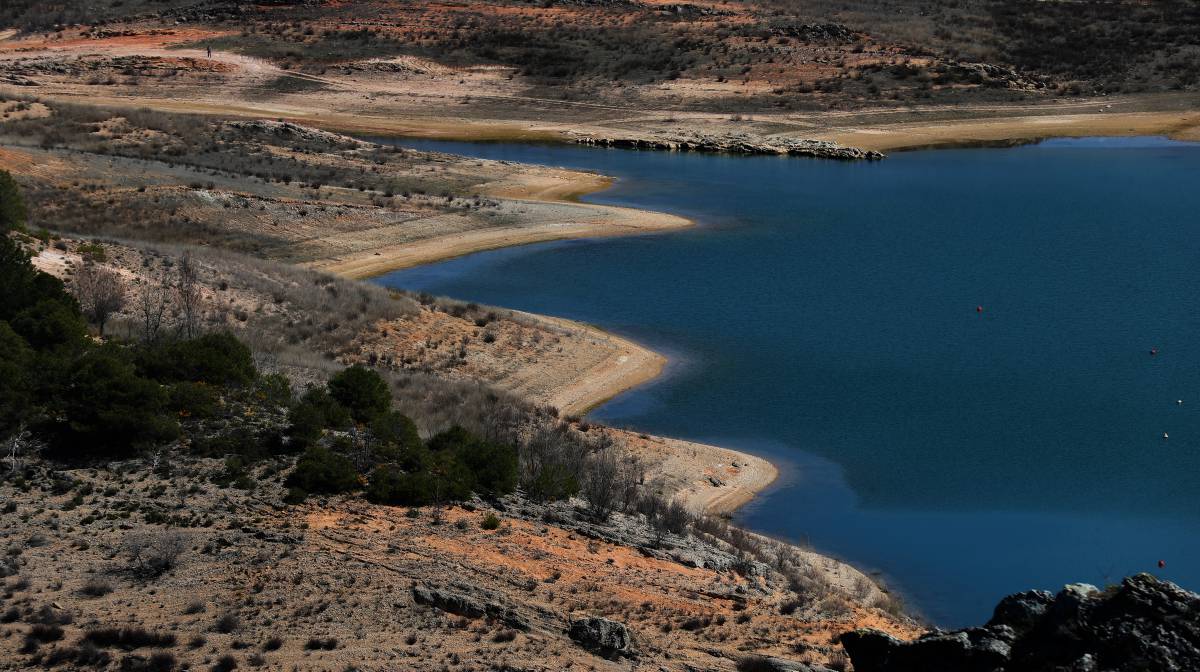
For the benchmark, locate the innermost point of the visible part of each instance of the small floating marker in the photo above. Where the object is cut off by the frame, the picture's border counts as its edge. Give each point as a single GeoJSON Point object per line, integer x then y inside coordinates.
{"type": "Point", "coordinates": [1162, 564]}
{"type": "Point", "coordinates": [1165, 437]}
{"type": "Point", "coordinates": [1179, 402]}
{"type": "Point", "coordinates": [1153, 351]}
{"type": "Point", "coordinates": [979, 309]}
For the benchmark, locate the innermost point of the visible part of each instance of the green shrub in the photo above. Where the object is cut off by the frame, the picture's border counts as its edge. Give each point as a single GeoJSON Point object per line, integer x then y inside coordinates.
{"type": "Point", "coordinates": [51, 324]}
{"type": "Point", "coordinates": [442, 478]}
{"type": "Point", "coordinates": [274, 389]}
{"type": "Point", "coordinates": [315, 412]}
{"type": "Point", "coordinates": [194, 400]}
{"type": "Point", "coordinates": [396, 438]}
{"type": "Point", "coordinates": [321, 470]}
{"type": "Point", "coordinates": [16, 387]}
{"type": "Point", "coordinates": [216, 359]}
{"type": "Point", "coordinates": [492, 467]}
{"type": "Point", "coordinates": [92, 252]}
{"type": "Point", "coordinates": [242, 441]}
{"type": "Point", "coordinates": [22, 285]}
{"type": "Point", "coordinates": [390, 485]}
{"type": "Point", "coordinates": [12, 206]}
{"type": "Point", "coordinates": [106, 410]}
{"type": "Point", "coordinates": [361, 391]}
{"type": "Point", "coordinates": [234, 474]}
{"type": "Point", "coordinates": [552, 482]}
{"type": "Point", "coordinates": [490, 522]}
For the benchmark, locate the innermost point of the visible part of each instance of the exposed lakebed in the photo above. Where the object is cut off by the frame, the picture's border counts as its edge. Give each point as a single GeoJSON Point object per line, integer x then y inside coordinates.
{"type": "Point", "coordinates": [947, 352]}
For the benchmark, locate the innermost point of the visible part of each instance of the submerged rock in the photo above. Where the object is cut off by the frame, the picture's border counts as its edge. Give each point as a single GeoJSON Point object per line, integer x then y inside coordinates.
{"type": "Point", "coordinates": [737, 143]}
{"type": "Point", "coordinates": [1143, 625]}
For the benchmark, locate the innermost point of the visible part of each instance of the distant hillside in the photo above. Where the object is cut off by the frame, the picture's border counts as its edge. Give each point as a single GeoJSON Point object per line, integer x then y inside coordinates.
{"type": "Point", "coordinates": [769, 54]}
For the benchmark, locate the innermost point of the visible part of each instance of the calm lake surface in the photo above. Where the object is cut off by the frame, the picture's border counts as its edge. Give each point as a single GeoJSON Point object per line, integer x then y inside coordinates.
{"type": "Point", "coordinates": [824, 315]}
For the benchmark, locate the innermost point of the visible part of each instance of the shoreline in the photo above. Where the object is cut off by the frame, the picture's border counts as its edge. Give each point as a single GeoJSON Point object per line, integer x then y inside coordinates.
{"type": "Point", "coordinates": [636, 365]}
{"type": "Point", "coordinates": [612, 221]}
{"type": "Point", "coordinates": [685, 468]}
{"type": "Point", "coordinates": [873, 129]}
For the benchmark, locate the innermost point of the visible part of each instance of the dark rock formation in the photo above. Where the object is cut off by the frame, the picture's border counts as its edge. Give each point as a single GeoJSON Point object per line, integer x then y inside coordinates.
{"type": "Point", "coordinates": [469, 607]}
{"type": "Point", "coordinates": [1143, 625]}
{"type": "Point", "coordinates": [603, 637]}
{"type": "Point", "coordinates": [814, 32]}
{"type": "Point", "coordinates": [447, 601]}
{"type": "Point", "coordinates": [770, 664]}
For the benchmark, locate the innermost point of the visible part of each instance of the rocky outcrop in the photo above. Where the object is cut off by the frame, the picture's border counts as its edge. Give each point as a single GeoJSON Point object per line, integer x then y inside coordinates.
{"type": "Point", "coordinates": [1143, 625]}
{"type": "Point", "coordinates": [469, 607]}
{"type": "Point", "coordinates": [737, 143]}
{"type": "Point", "coordinates": [770, 664]}
{"type": "Point", "coordinates": [814, 32]}
{"type": "Point", "coordinates": [269, 130]}
{"type": "Point", "coordinates": [602, 637]}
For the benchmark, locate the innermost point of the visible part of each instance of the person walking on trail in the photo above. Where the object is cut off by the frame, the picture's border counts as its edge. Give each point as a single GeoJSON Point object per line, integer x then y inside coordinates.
{"type": "Point", "coordinates": [209, 49]}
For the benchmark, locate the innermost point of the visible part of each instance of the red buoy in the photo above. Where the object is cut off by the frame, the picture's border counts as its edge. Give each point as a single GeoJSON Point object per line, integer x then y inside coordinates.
{"type": "Point", "coordinates": [1162, 563]}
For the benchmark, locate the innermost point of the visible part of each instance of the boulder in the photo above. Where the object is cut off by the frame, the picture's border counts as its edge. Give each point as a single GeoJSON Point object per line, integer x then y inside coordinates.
{"type": "Point", "coordinates": [1021, 611]}
{"type": "Point", "coordinates": [603, 637]}
{"type": "Point", "coordinates": [974, 650]}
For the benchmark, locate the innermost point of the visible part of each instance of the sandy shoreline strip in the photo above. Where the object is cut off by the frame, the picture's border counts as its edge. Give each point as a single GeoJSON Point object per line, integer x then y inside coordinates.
{"type": "Point", "coordinates": [891, 137]}
{"type": "Point", "coordinates": [612, 221]}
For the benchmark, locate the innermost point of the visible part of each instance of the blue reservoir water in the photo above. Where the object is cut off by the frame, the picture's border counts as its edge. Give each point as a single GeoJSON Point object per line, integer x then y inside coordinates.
{"type": "Point", "coordinates": [824, 315]}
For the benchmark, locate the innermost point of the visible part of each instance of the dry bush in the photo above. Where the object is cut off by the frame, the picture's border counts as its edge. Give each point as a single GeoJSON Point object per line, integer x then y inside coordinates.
{"type": "Point", "coordinates": [153, 553]}
{"type": "Point", "coordinates": [101, 293]}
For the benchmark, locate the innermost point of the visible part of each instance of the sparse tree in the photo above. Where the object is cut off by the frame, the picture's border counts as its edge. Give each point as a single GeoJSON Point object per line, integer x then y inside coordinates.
{"type": "Point", "coordinates": [551, 463]}
{"type": "Point", "coordinates": [187, 295]}
{"type": "Point", "coordinates": [602, 482]}
{"type": "Point", "coordinates": [22, 446]}
{"type": "Point", "coordinates": [152, 310]}
{"type": "Point", "coordinates": [101, 293]}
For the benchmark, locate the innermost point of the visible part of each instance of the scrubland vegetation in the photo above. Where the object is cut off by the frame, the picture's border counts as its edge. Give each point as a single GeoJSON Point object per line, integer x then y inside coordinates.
{"type": "Point", "coordinates": [818, 53]}
{"type": "Point", "coordinates": [168, 382]}
{"type": "Point", "coordinates": [155, 440]}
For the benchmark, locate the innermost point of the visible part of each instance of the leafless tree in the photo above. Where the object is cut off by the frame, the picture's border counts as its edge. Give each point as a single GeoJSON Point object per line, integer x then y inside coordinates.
{"type": "Point", "coordinates": [551, 452]}
{"type": "Point", "coordinates": [607, 477]}
{"type": "Point", "coordinates": [152, 309]}
{"type": "Point", "coordinates": [187, 294]}
{"type": "Point", "coordinates": [22, 446]}
{"type": "Point", "coordinates": [101, 293]}
{"type": "Point", "coordinates": [673, 517]}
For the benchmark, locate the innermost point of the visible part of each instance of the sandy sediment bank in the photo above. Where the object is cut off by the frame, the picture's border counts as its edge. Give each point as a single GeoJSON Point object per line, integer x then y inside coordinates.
{"type": "Point", "coordinates": [583, 221]}
{"type": "Point", "coordinates": [891, 137]}
{"type": "Point", "coordinates": [548, 207]}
